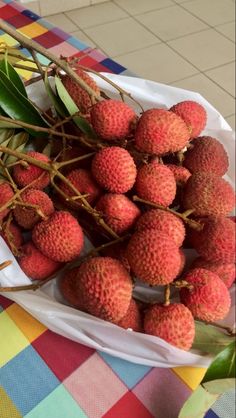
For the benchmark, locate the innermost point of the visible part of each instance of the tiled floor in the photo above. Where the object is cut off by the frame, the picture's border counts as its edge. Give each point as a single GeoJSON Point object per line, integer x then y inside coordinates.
{"type": "Point", "coordinates": [186, 43]}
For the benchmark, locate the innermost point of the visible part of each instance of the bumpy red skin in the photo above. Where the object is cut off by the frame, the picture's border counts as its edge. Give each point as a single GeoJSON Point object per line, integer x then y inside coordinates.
{"type": "Point", "coordinates": [15, 236]}
{"type": "Point", "coordinates": [112, 119]}
{"type": "Point", "coordinates": [28, 217]}
{"type": "Point", "coordinates": [132, 318]}
{"type": "Point", "coordinates": [207, 154]}
{"type": "Point", "coordinates": [160, 132]}
{"type": "Point", "coordinates": [26, 175]}
{"type": "Point", "coordinates": [67, 286]}
{"type": "Point", "coordinates": [153, 257]}
{"type": "Point", "coordinates": [114, 169]}
{"type": "Point", "coordinates": [216, 241]}
{"type": "Point", "coordinates": [226, 272]}
{"type": "Point", "coordinates": [182, 262]}
{"type": "Point", "coordinates": [84, 183]}
{"type": "Point", "coordinates": [60, 237]}
{"type": "Point", "coordinates": [77, 93]}
{"type": "Point", "coordinates": [156, 183]}
{"type": "Point", "coordinates": [193, 114]}
{"type": "Point", "coordinates": [36, 265]}
{"type": "Point", "coordinates": [209, 300]}
{"type": "Point", "coordinates": [6, 193]}
{"type": "Point", "coordinates": [163, 222]}
{"type": "Point", "coordinates": [209, 195]}
{"type": "Point", "coordinates": [119, 212]}
{"type": "Point", "coordinates": [173, 323]}
{"type": "Point", "coordinates": [181, 174]}
{"type": "Point", "coordinates": [104, 286]}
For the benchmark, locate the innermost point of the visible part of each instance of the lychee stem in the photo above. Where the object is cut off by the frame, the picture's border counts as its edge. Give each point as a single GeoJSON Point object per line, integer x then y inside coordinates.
{"type": "Point", "coordinates": [179, 284]}
{"type": "Point", "coordinates": [4, 265]}
{"type": "Point", "coordinates": [167, 295]}
{"type": "Point", "coordinates": [193, 224]}
{"type": "Point", "coordinates": [10, 238]}
{"type": "Point", "coordinates": [32, 45]}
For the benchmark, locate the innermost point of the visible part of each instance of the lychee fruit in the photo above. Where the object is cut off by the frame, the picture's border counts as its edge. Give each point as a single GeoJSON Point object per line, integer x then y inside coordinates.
{"type": "Point", "coordinates": [181, 174]}
{"type": "Point", "coordinates": [182, 261]}
{"type": "Point", "coordinates": [60, 237]}
{"type": "Point", "coordinates": [119, 212]}
{"type": "Point", "coordinates": [77, 93]}
{"type": "Point", "coordinates": [209, 195]}
{"type": "Point", "coordinates": [153, 257]}
{"type": "Point", "coordinates": [193, 114]}
{"type": "Point", "coordinates": [164, 222]}
{"type": "Point", "coordinates": [209, 299]}
{"type": "Point", "coordinates": [132, 318]}
{"type": "Point", "coordinates": [114, 169]}
{"type": "Point", "coordinates": [173, 323]}
{"type": "Point", "coordinates": [156, 183]}
{"type": "Point", "coordinates": [13, 236]}
{"type": "Point", "coordinates": [216, 241]}
{"type": "Point", "coordinates": [160, 132]}
{"type": "Point", "coordinates": [104, 286]}
{"type": "Point", "coordinates": [24, 176]}
{"type": "Point", "coordinates": [226, 272]}
{"type": "Point", "coordinates": [83, 181]}
{"type": "Point", "coordinates": [112, 119]}
{"type": "Point", "coordinates": [35, 264]}
{"type": "Point", "coordinates": [207, 155]}
{"type": "Point", "coordinates": [28, 217]}
{"type": "Point", "coordinates": [6, 194]}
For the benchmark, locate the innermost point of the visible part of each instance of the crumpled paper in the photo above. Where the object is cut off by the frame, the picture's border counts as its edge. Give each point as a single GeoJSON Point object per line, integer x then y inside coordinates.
{"type": "Point", "coordinates": [48, 306]}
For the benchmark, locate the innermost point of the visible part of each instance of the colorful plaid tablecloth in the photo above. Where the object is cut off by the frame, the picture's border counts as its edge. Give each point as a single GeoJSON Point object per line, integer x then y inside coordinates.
{"type": "Point", "coordinates": [44, 375]}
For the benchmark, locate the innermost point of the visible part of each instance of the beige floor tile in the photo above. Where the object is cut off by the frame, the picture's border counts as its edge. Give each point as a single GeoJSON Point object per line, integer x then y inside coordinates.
{"type": "Point", "coordinates": [221, 100]}
{"type": "Point", "coordinates": [228, 29]}
{"type": "Point", "coordinates": [83, 38]}
{"type": "Point", "coordinates": [231, 121]}
{"type": "Point", "coordinates": [34, 6]}
{"type": "Point", "coordinates": [158, 63]}
{"type": "Point", "coordinates": [135, 7]}
{"type": "Point", "coordinates": [49, 7]}
{"type": "Point", "coordinates": [166, 28]}
{"type": "Point", "coordinates": [180, 1]}
{"type": "Point", "coordinates": [96, 15]}
{"type": "Point", "coordinates": [206, 49]}
{"type": "Point", "coordinates": [98, 1]}
{"type": "Point", "coordinates": [62, 22]}
{"type": "Point", "coordinates": [224, 76]}
{"type": "Point", "coordinates": [120, 37]}
{"type": "Point", "coordinates": [212, 12]}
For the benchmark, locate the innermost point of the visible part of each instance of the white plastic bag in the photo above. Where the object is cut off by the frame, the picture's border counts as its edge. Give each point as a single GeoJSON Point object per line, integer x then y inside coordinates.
{"type": "Point", "coordinates": [47, 304]}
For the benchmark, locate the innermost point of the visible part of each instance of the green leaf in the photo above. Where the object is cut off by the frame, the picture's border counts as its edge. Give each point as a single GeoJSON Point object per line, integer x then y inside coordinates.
{"type": "Point", "coordinates": [223, 366]}
{"type": "Point", "coordinates": [56, 101]}
{"type": "Point", "coordinates": [198, 404]}
{"type": "Point", "coordinates": [11, 73]}
{"type": "Point", "coordinates": [209, 339]}
{"type": "Point", "coordinates": [219, 386]}
{"type": "Point", "coordinates": [18, 106]}
{"type": "Point", "coordinates": [70, 105]}
{"type": "Point", "coordinates": [5, 136]}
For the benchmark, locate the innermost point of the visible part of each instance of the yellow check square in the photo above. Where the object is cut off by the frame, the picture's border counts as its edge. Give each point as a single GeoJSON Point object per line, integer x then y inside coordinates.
{"type": "Point", "coordinates": [192, 376]}
{"type": "Point", "coordinates": [30, 327]}
{"type": "Point", "coordinates": [7, 407]}
{"type": "Point", "coordinates": [8, 40]}
{"type": "Point", "coordinates": [12, 339]}
{"type": "Point", "coordinates": [32, 30]}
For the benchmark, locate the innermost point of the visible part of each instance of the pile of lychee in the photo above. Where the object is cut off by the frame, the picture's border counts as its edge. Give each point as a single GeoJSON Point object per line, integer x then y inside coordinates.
{"type": "Point", "coordinates": [152, 179]}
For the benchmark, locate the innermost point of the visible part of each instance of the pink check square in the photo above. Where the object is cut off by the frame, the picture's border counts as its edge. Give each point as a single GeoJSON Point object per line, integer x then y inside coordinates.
{"type": "Point", "coordinates": [95, 386]}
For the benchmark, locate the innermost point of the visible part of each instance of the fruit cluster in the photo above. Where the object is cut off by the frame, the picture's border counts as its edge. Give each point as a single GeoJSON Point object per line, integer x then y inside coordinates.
{"type": "Point", "coordinates": [148, 174]}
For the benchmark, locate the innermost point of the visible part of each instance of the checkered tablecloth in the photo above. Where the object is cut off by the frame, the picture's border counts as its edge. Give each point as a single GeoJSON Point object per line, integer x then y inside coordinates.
{"type": "Point", "coordinates": [44, 375]}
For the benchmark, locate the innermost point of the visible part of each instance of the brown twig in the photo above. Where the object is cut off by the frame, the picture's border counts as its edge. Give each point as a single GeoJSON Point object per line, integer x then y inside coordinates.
{"type": "Point", "coordinates": [4, 265]}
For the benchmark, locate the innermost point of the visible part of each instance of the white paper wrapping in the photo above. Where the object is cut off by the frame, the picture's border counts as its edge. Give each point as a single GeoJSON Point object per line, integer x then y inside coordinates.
{"type": "Point", "coordinates": [47, 304]}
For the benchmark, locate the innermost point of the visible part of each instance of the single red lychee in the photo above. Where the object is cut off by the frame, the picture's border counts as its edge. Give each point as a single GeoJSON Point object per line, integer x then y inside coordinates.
{"type": "Point", "coordinates": [26, 175]}
{"type": "Point", "coordinates": [156, 183]}
{"type": "Point", "coordinates": [114, 169]}
{"type": "Point", "coordinates": [112, 119]}
{"type": "Point", "coordinates": [193, 114]}
{"type": "Point", "coordinates": [160, 132]}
